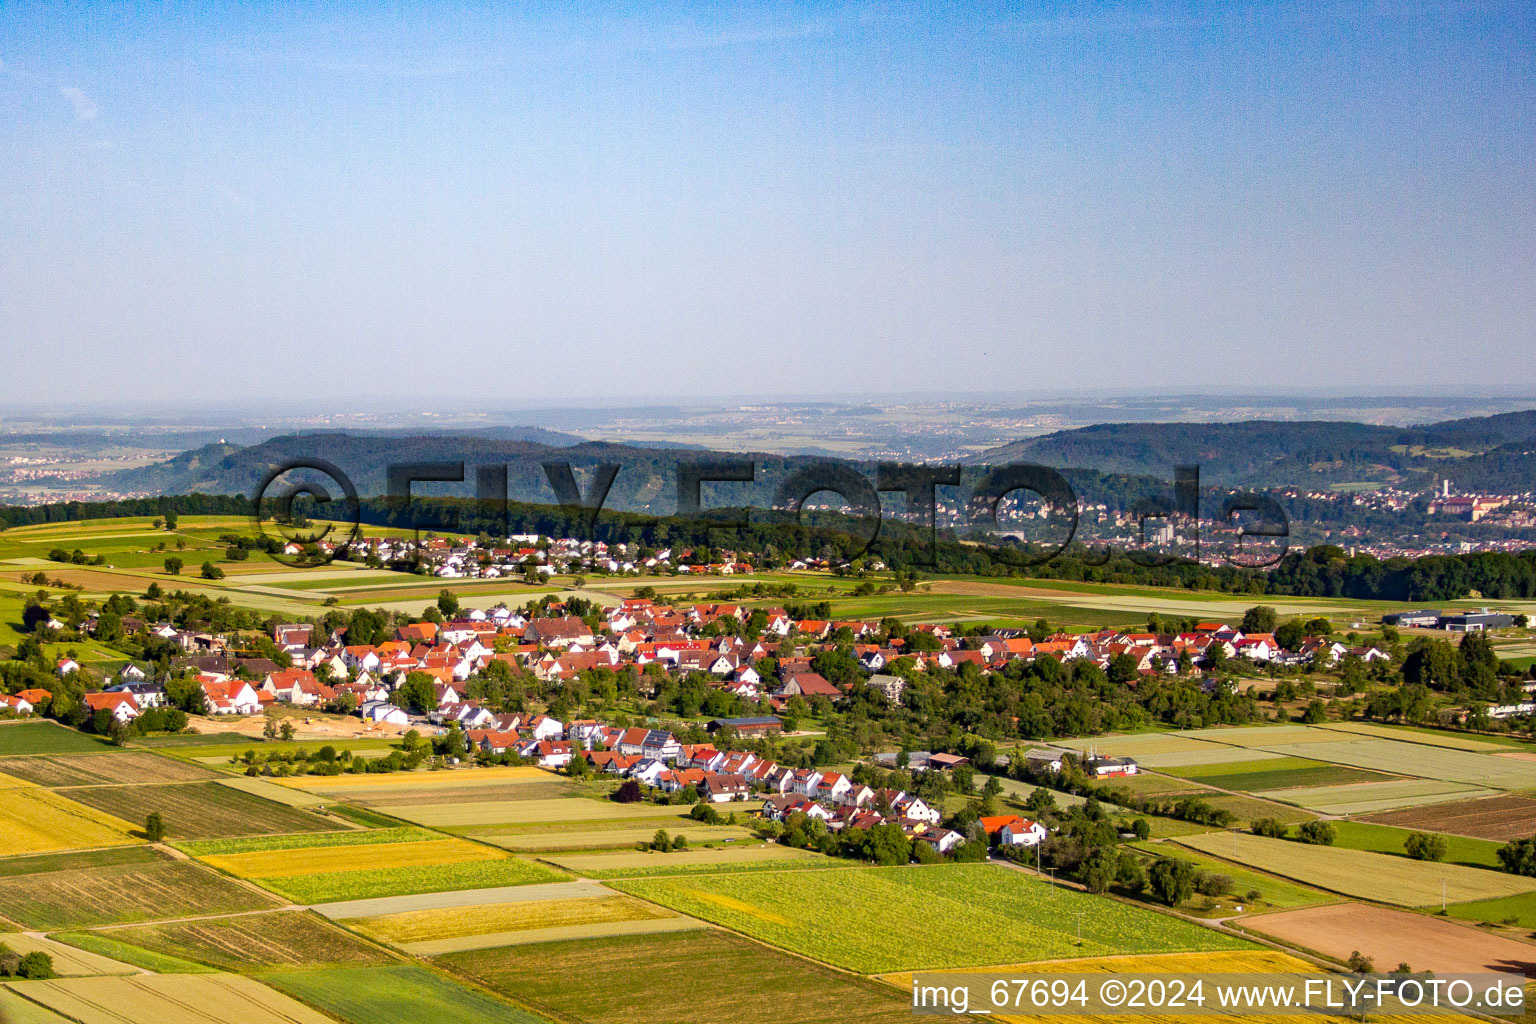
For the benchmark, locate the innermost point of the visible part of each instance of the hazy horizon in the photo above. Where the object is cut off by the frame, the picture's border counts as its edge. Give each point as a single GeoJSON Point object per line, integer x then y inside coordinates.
{"type": "Point", "coordinates": [477, 207]}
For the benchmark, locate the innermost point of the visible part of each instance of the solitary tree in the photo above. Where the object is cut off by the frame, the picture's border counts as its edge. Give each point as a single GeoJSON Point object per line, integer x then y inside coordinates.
{"type": "Point", "coordinates": [1172, 880]}
{"type": "Point", "coordinates": [1317, 833]}
{"type": "Point", "coordinates": [1519, 856]}
{"type": "Point", "coordinates": [154, 827]}
{"type": "Point", "coordinates": [1425, 846]}
{"type": "Point", "coordinates": [173, 565]}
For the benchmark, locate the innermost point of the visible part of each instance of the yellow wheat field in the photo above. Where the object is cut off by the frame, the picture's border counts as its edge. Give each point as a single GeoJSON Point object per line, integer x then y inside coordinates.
{"type": "Point", "coordinates": [419, 779]}
{"type": "Point", "coordinates": [456, 922]}
{"type": "Point", "coordinates": [326, 859]}
{"type": "Point", "coordinates": [168, 999]}
{"type": "Point", "coordinates": [34, 820]}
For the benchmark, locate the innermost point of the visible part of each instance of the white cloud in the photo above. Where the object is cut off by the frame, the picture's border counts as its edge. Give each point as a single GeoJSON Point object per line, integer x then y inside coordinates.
{"type": "Point", "coordinates": [85, 107]}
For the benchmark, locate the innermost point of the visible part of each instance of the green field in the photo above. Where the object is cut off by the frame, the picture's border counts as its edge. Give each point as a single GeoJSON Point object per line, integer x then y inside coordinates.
{"type": "Point", "coordinates": [391, 995]}
{"type": "Point", "coordinates": [883, 919]}
{"type": "Point", "coordinates": [45, 738]}
{"type": "Point", "coordinates": [698, 977]}
{"type": "Point", "coordinates": [1372, 876]}
{"type": "Point", "coordinates": [1274, 893]}
{"type": "Point", "coordinates": [1360, 835]}
{"type": "Point", "coordinates": [1274, 773]}
{"type": "Point", "coordinates": [100, 943]}
{"type": "Point", "coordinates": [336, 866]}
{"type": "Point", "coordinates": [202, 810]}
{"type": "Point", "coordinates": [139, 889]}
{"type": "Point", "coordinates": [369, 884]}
{"type": "Point", "coordinates": [302, 841]}
{"type": "Point", "coordinates": [249, 942]}
{"type": "Point", "coordinates": [1513, 910]}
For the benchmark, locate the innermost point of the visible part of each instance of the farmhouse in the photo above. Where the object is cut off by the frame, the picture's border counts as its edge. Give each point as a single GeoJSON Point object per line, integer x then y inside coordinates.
{"type": "Point", "coordinates": [121, 706]}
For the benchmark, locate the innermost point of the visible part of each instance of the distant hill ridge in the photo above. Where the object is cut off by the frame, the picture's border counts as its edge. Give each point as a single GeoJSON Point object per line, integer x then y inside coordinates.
{"type": "Point", "coordinates": [1493, 453]}
{"type": "Point", "coordinates": [1486, 453]}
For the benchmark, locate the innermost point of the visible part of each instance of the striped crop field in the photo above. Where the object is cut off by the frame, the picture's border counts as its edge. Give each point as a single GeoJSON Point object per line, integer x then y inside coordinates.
{"type": "Point", "coordinates": [271, 864]}
{"type": "Point", "coordinates": [1369, 797]}
{"type": "Point", "coordinates": [36, 820]}
{"type": "Point", "coordinates": [435, 932]}
{"type": "Point", "coordinates": [636, 863]}
{"type": "Point", "coordinates": [68, 962]}
{"type": "Point", "coordinates": [366, 864]}
{"type": "Point", "coordinates": [620, 836]}
{"type": "Point", "coordinates": [516, 812]}
{"type": "Point", "coordinates": [882, 919]}
{"type": "Point", "coordinates": [1372, 876]}
{"type": "Point", "coordinates": [168, 999]}
{"type": "Point", "coordinates": [247, 942]}
{"type": "Point", "coordinates": [102, 769]}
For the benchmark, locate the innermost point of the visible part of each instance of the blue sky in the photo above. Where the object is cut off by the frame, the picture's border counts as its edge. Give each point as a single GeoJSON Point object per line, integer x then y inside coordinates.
{"type": "Point", "coordinates": [495, 204]}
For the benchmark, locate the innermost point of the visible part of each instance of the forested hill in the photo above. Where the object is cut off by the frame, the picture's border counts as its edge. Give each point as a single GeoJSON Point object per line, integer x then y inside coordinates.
{"type": "Point", "coordinates": [646, 482]}
{"type": "Point", "coordinates": [1493, 453]}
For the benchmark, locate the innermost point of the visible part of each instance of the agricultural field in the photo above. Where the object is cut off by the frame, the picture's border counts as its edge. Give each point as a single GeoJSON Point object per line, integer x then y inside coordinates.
{"type": "Point", "coordinates": [436, 932]}
{"type": "Point", "coordinates": [37, 820]}
{"type": "Point", "coordinates": [1151, 744]}
{"type": "Point", "coordinates": [202, 810]}
{"type": "Point", "coordinates": [1472, 768]}
{"type": "Point", "coordinates": [45, 738]}
{"type": "Point", "coordinates": [741, 857]}
{"type": "Point", "coordinates": [1375, 796]}
{"type": "Point", "coordinates": [1390, 937]}
{"type": "Point", "coordinates": [1274, 893]}
{"type": "Point", "coordinates": [621, 836]}
{"type": "Point", "coordinates": [385, 906]}
{"type": "Point", "coordinates": [364, 787]}
{"type": "Point", "coordinates": [1372, 876]}
{"type": "Point", "coordinates": [101, 769]}
{"type": "Point", "coordinates": [16, 1010]}
{"type": "Point", "coordinates": [251, 942]}
{"type": "Point", "coordinates": [68, 962]}
{"type": "Point", "coordinates": [1431, 737]}
{"type": "Point", "coordinates": [389, 995]}
{"type": "Point", "coordinates": [882, 919]}
{"type": "Point", "coordinates": [140, 884]}
{"type": "Point", "coordinates": [1246, 808]}
{"type": "Point", "coordinates": [1360, 835]}
{"type": "Point", "coordinates": [277, 794]}
{"type": "Point", "coordinates": [696, 977]}
{"type": "Point", "coordinates": [560, 810]}
{"type": "Point", "coordinates": [1514, 911]}
{"type": "Point", "coordinates": [367, 864]}
{"type": "Point", "coordinates": [167, 999]}
{"type": "Point", "coordinates": [1499, 818]}
{"type": "Point", "coordinates": [101, 944]}
{"type": "Point", "coordinates": [1204, 754]}
{"type": "Point", "coordinates": [1278, 772]}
